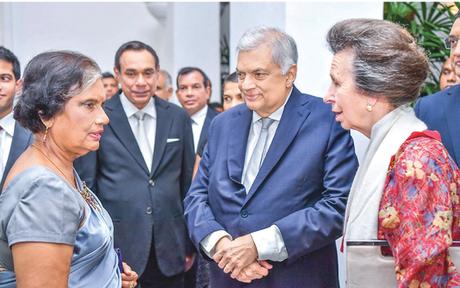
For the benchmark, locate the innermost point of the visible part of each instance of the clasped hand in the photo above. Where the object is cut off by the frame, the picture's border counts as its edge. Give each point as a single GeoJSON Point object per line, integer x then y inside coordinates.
{"type": "Point", "coordinates": [239, 257]}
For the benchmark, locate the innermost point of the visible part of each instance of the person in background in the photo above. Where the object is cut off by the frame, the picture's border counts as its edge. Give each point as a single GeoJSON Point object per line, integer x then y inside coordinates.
{"type": "Point", "coordinates": [274, 178]}
{"type": "Point", "coordinates": [52, 226]}
{"type": "Point", "coordinates": [14, 139]}
{"type": "Point", "coordinates": [232, 94]}
{"type": "Point", "coordinates": [110, 84]}
{"type": "Point", "coordinates": [164, 85]}
{"type": "Point", "coordinates": [441, 111]}
{"type": "Point", "coordinates": [447, 78]}
{"type": "Point", "coordinates": [405, 190]}
{"type": "Point", "coordinates": [143, 169]}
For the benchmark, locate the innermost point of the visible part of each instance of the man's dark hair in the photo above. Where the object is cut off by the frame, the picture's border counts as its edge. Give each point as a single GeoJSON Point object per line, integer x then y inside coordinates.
{"type": "Point", "coordinates": [232, 78]}
{"type": "Point", "coordinates": [106, 75]}
{"type": "Point", "coordinates": [188, 70]}
{"type": "Point", "coordinates": [8, 56]}
{"type": "Point", "coordinates": [136, 46]}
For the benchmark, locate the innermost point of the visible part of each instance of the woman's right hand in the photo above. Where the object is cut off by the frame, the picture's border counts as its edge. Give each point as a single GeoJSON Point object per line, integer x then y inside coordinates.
{"type": "Point", "coordinates": [128, 277]}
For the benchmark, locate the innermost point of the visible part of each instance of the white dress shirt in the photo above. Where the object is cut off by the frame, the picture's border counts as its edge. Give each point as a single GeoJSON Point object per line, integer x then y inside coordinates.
{"type": "Point", "coordinates": [269, 241]}
{"type": "Point", "coordinates": [197, 124]}
{"type": "Point", "coordinates": [6, 139]}
{"type": "Point", "coordinates": [150, 121]}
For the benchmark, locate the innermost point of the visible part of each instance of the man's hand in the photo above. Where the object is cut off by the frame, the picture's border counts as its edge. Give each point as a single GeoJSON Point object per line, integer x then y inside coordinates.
{"type": "Point", "coordinates": [189, 260]}
{"type": "Point", "coordinates": [255, 270]}
{"type": "Point", "coordinates": [233, 256]}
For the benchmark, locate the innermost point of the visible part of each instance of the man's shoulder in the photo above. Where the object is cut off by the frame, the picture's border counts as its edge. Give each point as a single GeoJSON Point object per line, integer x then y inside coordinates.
{"type": "Point", "coordinates": [440, 95]}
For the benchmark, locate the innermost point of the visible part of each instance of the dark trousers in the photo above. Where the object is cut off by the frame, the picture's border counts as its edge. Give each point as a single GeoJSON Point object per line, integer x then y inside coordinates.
{"type": "Point", "coordinates": [153, 278]}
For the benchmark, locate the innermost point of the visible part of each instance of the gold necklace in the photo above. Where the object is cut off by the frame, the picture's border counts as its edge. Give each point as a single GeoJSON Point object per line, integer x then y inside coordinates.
{"type": "Point", "coordinates": [84, 192]}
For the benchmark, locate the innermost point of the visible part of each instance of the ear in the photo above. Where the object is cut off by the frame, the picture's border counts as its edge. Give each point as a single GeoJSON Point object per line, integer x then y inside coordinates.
{"type": "Point", "coordinates": [291, 76]}
{"type": "Point", "coordinates": [48, 123]}
{"type": "Point", "coordinates": [18, 87]}
{"type": "Point", "coordinates": [208, 92]}
{"type": "Point", "coordinates": [372, 100]}
{"type": "Point", "coordinates": [117, 74]}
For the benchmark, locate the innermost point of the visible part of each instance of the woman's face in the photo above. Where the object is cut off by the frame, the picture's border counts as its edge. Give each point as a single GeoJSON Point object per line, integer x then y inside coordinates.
{"type": "Point", "coordinates": [348, 104]}
{"type": "Point", "coordinates": [78, 129]}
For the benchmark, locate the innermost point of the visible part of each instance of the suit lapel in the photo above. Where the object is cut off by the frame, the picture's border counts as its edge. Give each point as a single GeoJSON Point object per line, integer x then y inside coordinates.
{"type": "Point", "coordinates": [238, 139]}
{"type": "Point", "coordinates": [164, 121]}
{"type": "Point", "coordinates": [452, 115]}
{"type": "Point", "coordinates": [22, 138]}
{"type": "Point", "coordinates": [120, 125]}
{"type": "Point", "coordinates": [294, 115]}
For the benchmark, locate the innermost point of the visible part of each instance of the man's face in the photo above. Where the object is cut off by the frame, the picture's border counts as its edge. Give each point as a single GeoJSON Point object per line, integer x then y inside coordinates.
{"type": "Point", "coordinates": [193, 95]}
{"type": "Point", "coordinates": [162, 91]}
{"type": "Point", "coordinates": [261, 81]}
{"type": "Point", "coordinates": [138, 76]}
{"type": "Point", "coordinates": [455, 51]}
{"type": "Point", "coordinates": [110, 87]}
{"type": "Point", "coordinates": [8, 87]}
{"type": "Point", "coordinates": [448, 77]}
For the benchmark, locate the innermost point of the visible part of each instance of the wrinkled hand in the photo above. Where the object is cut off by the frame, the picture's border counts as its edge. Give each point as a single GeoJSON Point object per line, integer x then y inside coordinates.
{"type": "Point", "coordinates": [233, 256]}
{"type": "Point", "coordinates": [189, 260]}
{"type": "Point", "coordinates": [255, 270]}
{"type": "Point", "coordinates": [128, 277]}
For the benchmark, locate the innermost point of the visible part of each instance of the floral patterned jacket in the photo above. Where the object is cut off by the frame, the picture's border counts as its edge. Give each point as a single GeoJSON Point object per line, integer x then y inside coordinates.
{"type": "Point", "coordinates": [420, 211]}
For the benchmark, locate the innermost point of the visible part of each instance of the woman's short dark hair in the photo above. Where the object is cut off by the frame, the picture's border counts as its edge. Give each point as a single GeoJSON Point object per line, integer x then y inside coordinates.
{"type": "Point", "coordinates": [387, 60]}
{"type": "Point", "coordinates": [50, 80]}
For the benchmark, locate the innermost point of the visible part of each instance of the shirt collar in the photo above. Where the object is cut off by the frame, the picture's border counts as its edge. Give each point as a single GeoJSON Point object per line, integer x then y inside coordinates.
{"type": "Point", "coordinates": [201, 114]}
{"type": "Point", "coordinates": [7, 123]}
{"type": "Point", "coordinates": [130, 109]}
{"type": "Point", "coordinates": [275, 115]}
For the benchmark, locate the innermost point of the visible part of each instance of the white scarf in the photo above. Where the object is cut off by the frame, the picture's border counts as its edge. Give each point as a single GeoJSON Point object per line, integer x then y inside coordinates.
{"type": "Point", "coordinates": [387, 135]}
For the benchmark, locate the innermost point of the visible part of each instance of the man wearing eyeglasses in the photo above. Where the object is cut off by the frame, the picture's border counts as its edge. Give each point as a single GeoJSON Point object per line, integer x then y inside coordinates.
{"type": "Point", "coordinates": [441, 111]}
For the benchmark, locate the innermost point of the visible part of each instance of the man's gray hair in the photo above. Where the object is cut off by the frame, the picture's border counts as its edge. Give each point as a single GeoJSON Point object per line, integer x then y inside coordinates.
{"type": "Point", "coordinates": [387, 60]}
{"type": "Point", "coordinates": [283, 46]}
{"type": "Point", "coordinates": [168, 79]}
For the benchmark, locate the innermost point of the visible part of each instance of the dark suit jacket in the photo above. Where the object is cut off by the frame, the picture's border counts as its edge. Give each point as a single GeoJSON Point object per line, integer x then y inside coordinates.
{"type": "Point", "coordinates": [142, 204]}
{"type": "Point", "coordinates": [302, 187]}
{"type": "Point", "coordinates": [22, 138]}
{"type": "Point", "coordinates": [441, 112]}
{"type": "Point", "coordinates": [204, 131]}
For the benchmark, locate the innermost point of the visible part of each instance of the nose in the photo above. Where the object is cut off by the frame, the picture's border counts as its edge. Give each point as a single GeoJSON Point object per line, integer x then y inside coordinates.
{"type": "Point", "coordinates": [102, 118]}
{"type": "Point", "coordinates": [247, 83]}
{"type": "Point", "coordinates": [329, 97]}
{"type": "Point", "coordinates": [140, 79]}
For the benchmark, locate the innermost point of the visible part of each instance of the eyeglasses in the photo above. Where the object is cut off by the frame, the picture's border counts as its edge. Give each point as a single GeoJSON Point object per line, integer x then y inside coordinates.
{"type": "Point", "coordinates": [451, 42]}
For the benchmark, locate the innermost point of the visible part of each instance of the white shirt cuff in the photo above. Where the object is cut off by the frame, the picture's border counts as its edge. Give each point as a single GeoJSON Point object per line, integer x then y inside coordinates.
{"type": "Point", "coordinates": [270, 244]}
{"type": "Point", "coordinates": [209, 242]}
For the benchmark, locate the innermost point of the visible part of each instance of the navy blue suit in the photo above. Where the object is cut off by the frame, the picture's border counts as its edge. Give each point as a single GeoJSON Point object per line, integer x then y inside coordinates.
{"type": "Point", "coordinates": [22, 138]}
{"type": "Point", "coordinates": [146, 207]}
{"type": "Point", "coordinates": [210, 114]}
{"type": "Point", "coordinates": [302, 187]}
{"type": "Point", "coordinates": [441, 112]}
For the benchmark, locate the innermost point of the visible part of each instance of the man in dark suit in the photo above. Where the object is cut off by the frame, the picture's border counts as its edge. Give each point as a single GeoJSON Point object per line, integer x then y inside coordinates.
{"type": "Point", "coordinates": [193, 92]}
{"type": "Point", "coordinates": [441, 111]}
{"type": "Point", "coordinates": [274, 178]}
{"type": "Point", "coordinates": [14, 139]}
{"type": "Point", "coordinates": [143, 169]}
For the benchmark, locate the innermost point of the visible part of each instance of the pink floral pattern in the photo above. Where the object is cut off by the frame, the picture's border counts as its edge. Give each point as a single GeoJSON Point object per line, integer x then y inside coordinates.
{"type": "Point", "coordinates": [420, 211]}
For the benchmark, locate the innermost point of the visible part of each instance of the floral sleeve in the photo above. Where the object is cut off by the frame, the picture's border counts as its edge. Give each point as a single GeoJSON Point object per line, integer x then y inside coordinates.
{"type": "Point", "coordinates": [417, 213]}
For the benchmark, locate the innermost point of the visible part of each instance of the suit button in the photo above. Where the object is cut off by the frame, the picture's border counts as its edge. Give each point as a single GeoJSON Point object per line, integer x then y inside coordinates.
{"type": "Point", "coordinates": [151, 182]}
{"type": "Point", "coordinates": [149, 210]}
{"type": "Point", "coordinates": [244, 213]}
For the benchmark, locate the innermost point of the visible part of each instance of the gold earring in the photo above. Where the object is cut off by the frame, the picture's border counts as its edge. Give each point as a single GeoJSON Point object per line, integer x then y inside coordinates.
{"type": "Point", "coordinates": [369, 107]}
{"type": "Point", "coordinates": [44, 135]}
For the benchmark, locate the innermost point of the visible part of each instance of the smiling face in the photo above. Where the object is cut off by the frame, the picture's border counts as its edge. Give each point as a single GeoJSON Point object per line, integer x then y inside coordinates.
{"type": "Point", "coordinates": [84, 116]}
{"type": "Point", "coordinates": [261, 81]}
{"type": "Point", "coordinates": [8, 87]}
{"type": "Point", "coordinates": [138, 76]}
{"type": "Point", "coordinates": [347, 102]}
